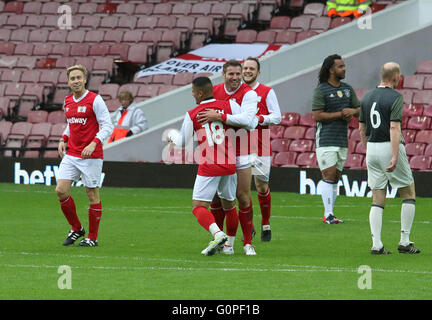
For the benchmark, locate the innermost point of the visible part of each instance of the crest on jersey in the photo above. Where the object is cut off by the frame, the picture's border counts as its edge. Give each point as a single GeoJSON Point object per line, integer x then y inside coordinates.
{"type": "Point", "coordinates": [339, 93]}
{"type": "Point", "coordinates": [82, 109]}
{"type": "Point", "coordinates": [347, 93]}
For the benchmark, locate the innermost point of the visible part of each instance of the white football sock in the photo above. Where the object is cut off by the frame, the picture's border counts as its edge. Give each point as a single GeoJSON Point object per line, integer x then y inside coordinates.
{"type": "Point", "coordinates": [230, 241]}
{"type": "Point", "coordinates": [327, 197]}
{"type": "Point", "coordinates": [375, 221]}
{"type": "Point", "coordinates": [213, 228]}
{"type": "Point", "coordinates": [335, 192]}
{"type": "Point", "coordinates": [407, 218]}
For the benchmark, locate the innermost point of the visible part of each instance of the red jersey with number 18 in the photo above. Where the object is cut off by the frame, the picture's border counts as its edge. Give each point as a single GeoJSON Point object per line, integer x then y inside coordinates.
{"type": "Point", "coordinates": [217, 154]}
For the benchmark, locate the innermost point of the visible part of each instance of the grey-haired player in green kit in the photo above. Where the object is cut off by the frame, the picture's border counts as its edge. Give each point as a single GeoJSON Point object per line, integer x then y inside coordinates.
{"type": "Point", "coordinates": [380, 130]}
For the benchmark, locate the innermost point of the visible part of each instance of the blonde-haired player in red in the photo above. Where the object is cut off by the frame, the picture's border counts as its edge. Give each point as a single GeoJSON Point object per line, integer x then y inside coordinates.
{"type": "Point", "coordinates": [268, 114]}
{"type": "Point", "coordinates": [89, 124]}
{"type": "Point", "coordinates": [217, 163]}
{"type": "Point", "coordinates": [234, 89]}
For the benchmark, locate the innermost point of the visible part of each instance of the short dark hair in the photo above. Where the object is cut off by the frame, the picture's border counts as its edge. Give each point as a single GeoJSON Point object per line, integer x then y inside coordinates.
{"type": "Point", "coordinates": [231, 63]}
{"type": "Point", "coordinates": [324, 73]}
{"type": "Point", "coordinates": [204, 84]}
{"type": "Point", "coordinates": [256, 60]}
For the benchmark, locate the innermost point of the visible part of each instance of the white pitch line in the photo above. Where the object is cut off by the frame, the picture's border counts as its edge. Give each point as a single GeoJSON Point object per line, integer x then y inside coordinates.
{"type": "Point", "coordinates": [283, 267]}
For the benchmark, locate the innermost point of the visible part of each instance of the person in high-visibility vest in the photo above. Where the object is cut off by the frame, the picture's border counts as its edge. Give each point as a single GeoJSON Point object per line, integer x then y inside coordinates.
{"type": "Point", "coordinates": [128, 119]}
{"type": "Point", "coordinates": [345, 8]}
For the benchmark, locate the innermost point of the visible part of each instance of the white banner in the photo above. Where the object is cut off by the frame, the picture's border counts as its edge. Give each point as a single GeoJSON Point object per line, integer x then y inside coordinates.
{"type": "Point", "coordinates": [209, 58]}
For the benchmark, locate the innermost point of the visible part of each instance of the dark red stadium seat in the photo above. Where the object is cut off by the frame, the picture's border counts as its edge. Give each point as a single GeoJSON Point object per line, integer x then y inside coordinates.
{"type": "Point", "coordinates": [413, 81]}
{"type": "Point", "coordinates": [354, 161]}
{"type": "Point", "coordinates": [427, 110]}
{"type": "Point", "coordinates": [148, 91]}
{"type": "Point", "coordinates": [280, 23]}
{"type": "Point", "coordinates": [320, 24]}
{"type": "Point", "coordinates": [181, 9]}
{"type": "Point", "coordinates": [16, 7]}
{"type": "Point", "coordinates": [412, 110]}
{"type": "Point", "coordinates": [427, 83]}
{"type": "Point", "coordinates": [354, 123]}
{"type": "Point", "coordinates": [422, 97]}
{"type": "Point", "coordinates": [162, 9]}
{"type": "Point", "coordinates": [103, 66]}
{"type": "Point", "coordinates": [109, 91]}
{"type": "Point", "coordinates": [285, 158]}
{"type": "Point", "coordinates": [246, 36]}
{"type": "Point", "coordinates": [301, 23]}
{"type": "Point", "coordinates": [109, 22]}
{"type": "Point", "coordinates": [99, 49]}
{"type": "Point", "coordinates": [147, 22]}
{"type": "Point", "coordinates": [303, 35]}
{"type": "Point", "coordinates": [76, 36]}
{"type": "Point", "coordinates": [57, 130]}
{"type": "Point", "coordinates": [113, 36]}
{"type": "Point", "coordinates": [138, 53]}
{"type": "Point", "coordinates": [314, 9]}
{"type": "Point", "coordinates": [418, 123]}
{"type": "Point", "coordinates": [57, 116]}
{"type": "Point", "coordinates": [266, 36]}
{"type": "Point", "coordinates": [286, 37]}
{"type": "Point", "coordinates": [145, 9]}
{"type": "Point", "coordinates": [80, 49]}
{"type": "Point", "coordinates": [200, 9]}
{"type": "Point", "coordinates": [307, 119]}
{"type": "Point", "coordinates": [5, 129]}
{"type": "Point", "coordinates": [290, 119]}
{"type": "Point", "coordinates": [276, 132]}
{"type": "Point", "coordinates": [294, 132]}
{"type": "Point", "coordinates": [409, 135]}
{"type": "Point", "coordinates": [127, 22]}
{"type": "Point", "coordinates": [182, 79]}
{"type": "Point", "coordinates": [420, 162]}
{"type": "Point", "coordinates": [415, 149]}
{"type": "Point", "coordinates": [125, 9]}
{"type": "Point", "coordinates": [24, 49]}
{"type": "Point", "coordinates": [14, 90]}
{"type": "Point", "coordinates": [265, 14]}
{"type": "Point", "coordinates": [112, 104]}
{"type": "Point", "coordinates": [36, 116]}
{"type": "Point", "coordinates": [11, 75]}
{"type": "Point", "coordinates": [423, 136]}
{"type": "Point", "coordinates": [339, 21]}
{"type": "Point", "coordinates": [7, 48]}
{"type": "Point", "coordinates": [119, 51]}
{"type": "Point", "coordinates": [307, 160]}
{"type": "Point", "coordinates": [425, 67]}
{"type": "Point", "coordinates": [301, 145]}
{"type": "Point", "coordinates": [310, 133]}
{"type": "Point", "coordinates": [280, 145]}
{"type": "Point", "coordinates": [20, 131]}
{"type": "Point", "coordinates": [427, 152]}
{"type": "Point", "coordinates": [34, 21]}
{"type": "Point", "coordinates": [32, 7]}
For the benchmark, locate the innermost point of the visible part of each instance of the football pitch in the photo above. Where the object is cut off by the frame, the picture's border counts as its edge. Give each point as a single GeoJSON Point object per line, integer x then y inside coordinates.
{"type": "Point", "coordinates": [150, 248]}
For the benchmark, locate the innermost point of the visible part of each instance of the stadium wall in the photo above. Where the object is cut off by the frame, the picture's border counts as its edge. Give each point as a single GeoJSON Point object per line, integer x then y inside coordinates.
{"type": "Point", "coordinates": [401, 33]}
{"type": "Point", "coordinates": [159, 175]}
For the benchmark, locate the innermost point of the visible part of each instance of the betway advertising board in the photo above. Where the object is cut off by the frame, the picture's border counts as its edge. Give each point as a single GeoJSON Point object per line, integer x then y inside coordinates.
{"type": "Point", "coordinates": [159, 175]}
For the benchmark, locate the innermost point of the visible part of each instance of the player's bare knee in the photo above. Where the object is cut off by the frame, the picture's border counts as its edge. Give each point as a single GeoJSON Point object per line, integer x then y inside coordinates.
{"type": "Point", "coordinates": [407, 193]}
{"type": "Point", "coordinates": [62, 192]}
{"type": "Point", "coordinates": [93, 195]}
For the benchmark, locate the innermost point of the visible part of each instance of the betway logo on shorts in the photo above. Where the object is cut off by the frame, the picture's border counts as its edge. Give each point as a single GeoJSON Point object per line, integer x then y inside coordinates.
{"type": "Point", "coordinates": [352, 189]}
{"type": "Point", "coordinates": [82, 121]}
{"type": "Point", "coordinates": [22, 176]}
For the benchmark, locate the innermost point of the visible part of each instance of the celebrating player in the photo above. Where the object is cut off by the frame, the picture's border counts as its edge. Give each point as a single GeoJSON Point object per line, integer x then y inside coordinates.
{"type": "Point", "coordinates": [217, 163]}
{"type": "Point", "coordinates": [268, 114]}
{"type": "Point", "coordinates": [386, 158]}
{"type": "Point", "coordinates": [234, 89]}
{"type": "Point", "coordinates": [89, 124]}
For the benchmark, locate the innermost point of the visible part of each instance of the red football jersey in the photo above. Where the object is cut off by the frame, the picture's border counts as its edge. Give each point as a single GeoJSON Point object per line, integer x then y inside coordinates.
{"type": "Point", "coordinates": [83, 125]}
{"type": "Point", "coordinates": [263, 147]}
{"type": "Point", "coordinates": [217, 154]}
{"type": "Point", "coordinates": [220, 93]}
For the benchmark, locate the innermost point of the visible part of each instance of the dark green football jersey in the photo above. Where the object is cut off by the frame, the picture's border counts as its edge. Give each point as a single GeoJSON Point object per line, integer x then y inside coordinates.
{"type": "Point", "coordinates": [333, 99]}
{"type": "Point", "coordinates": [379, 107]}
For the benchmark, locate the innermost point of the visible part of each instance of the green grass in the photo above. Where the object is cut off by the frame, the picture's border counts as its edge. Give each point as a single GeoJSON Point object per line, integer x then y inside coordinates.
{"type": "Point", "coordinates": [150, 244]}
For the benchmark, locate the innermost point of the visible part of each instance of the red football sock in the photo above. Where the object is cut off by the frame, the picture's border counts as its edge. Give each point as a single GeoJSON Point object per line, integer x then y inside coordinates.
{"type": "Point", "coordinates": [95, 213]}
{"type": "Point", "coordinates": [232, 221]}
{"type": "Point", "coordinates": [218, 214]}
{"type": "Point", "coordinates": [265, 205]}
{"type": "Point", "coordinates": [204, 217]}
{"type": "Point", "coordinates": [246, 224]}
{"type": "Point", "coordinates": [69, 210]}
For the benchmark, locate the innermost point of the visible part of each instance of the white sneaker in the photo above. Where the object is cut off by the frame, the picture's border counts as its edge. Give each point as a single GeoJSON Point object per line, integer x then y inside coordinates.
{"type": "Point", "coordinates": [249, 250]}
{"type": "Point", "coordinates": [228, 249]}
{"type": "Point", "coordinates": [214, 245]}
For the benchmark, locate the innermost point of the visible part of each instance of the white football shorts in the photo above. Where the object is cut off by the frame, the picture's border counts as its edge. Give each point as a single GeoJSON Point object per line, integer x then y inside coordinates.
{"type": "Point", "coordinates": [90, 170]}
{"type": "Point", "coordinates": [331, 156]}
{"type": "Point", "coordinates": [243, 162]}
{"type": "Point", "coordinates": [261, 166]}
{"type": "Point", "coordinates": [206, 187]}
{"type": "Point", "coordinates": [378, 157]}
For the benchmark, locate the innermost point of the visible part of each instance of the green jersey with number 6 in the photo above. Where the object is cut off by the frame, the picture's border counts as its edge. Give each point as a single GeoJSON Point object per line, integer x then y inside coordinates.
{"type": "Point", "coordinates": [379, 107]}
